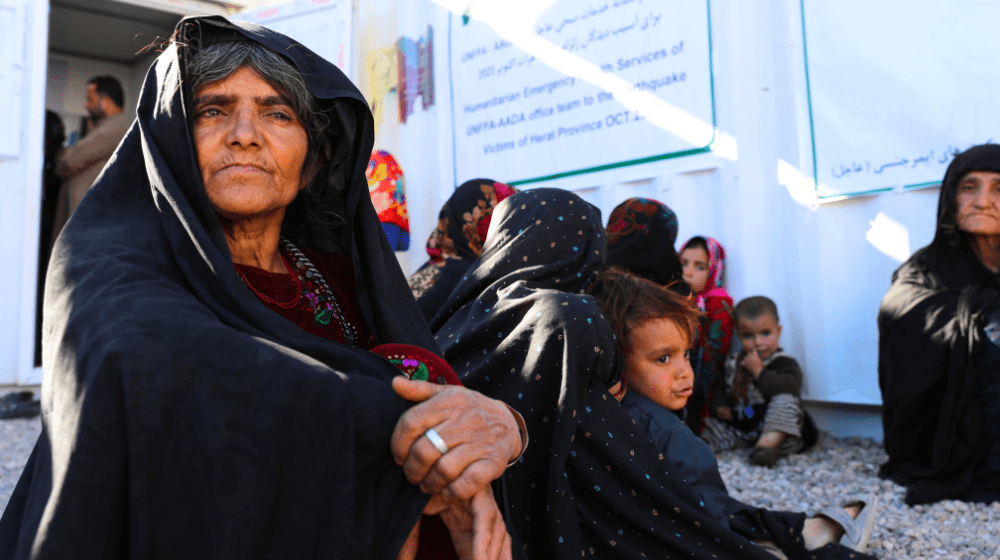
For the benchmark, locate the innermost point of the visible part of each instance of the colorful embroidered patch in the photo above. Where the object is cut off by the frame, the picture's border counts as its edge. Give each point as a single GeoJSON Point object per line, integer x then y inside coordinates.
{"type": "Point", "coordinates": [418, 364]}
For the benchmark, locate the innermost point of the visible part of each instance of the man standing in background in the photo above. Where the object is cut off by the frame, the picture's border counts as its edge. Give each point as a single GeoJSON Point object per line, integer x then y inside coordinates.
{"type": "Point", "coordinates": [81, 163]}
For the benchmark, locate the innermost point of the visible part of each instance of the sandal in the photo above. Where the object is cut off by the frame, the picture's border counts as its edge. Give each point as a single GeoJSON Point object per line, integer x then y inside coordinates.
{"type": "Point", "coordinates": [857, 531]}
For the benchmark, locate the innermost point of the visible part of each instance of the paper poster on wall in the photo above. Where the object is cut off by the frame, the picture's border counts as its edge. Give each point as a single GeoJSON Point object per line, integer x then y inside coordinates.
{"type": "Point", "coordinates": [415, 67]}
{"type": "Point", "coordinates": [588, 87]}
{"type": "Point", "coordinates": [323, 26]}
{"type": "Point", "coordinates": [896, 88]}
{"type": "Point", "coordinates": [382, 78]}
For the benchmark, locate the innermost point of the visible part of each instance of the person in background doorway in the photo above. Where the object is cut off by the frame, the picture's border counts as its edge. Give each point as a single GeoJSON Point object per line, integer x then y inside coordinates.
{"type": "Point", "coordinates": [702, 262]}
{"type": "Point", "coordinates": [81, 163]}
{"type": "Point", "coordinates": [55, 135]}
{"type": "Point", "coordinates": [760, 401]}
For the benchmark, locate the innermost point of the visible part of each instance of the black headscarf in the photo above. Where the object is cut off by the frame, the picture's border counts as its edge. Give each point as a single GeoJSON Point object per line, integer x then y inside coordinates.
{"type": "Point", "coordinates": [641, 237]}
{"type": "Point", "coordinates": [930, 331]}
{"type": "Point", "coordinates": [518, 329]}
{"type": "Point", "coordinates": [182, 418]}
{"type": "Point", "coordinates": [456, 241]}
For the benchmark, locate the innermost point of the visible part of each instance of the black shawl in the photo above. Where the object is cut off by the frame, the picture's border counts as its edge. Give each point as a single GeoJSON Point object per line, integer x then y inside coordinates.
{"type": "Point", "coordinates": [518, 329]}
{"type": "Point", "coordinates": [181, 417]}
{"type": "Point", "coordinates": [641, 237]}
{"type": "Point", "coordinates": [455, 242]}
{"type": "Point", "coordinates": [930, 331]}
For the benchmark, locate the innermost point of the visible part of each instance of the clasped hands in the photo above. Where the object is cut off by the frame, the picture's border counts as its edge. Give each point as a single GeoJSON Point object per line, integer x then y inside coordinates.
{"type": "Point", "coordinates": [482, 437]}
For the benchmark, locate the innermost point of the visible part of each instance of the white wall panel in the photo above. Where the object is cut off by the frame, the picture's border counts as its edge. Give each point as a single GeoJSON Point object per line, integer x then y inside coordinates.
{"type": "Point", "coordinates": [817, 261]}
{"type": "Point", "coordinates": [20, 189]}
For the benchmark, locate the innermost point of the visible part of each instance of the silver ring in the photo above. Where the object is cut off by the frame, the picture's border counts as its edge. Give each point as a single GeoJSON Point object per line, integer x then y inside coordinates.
{"type": "Point", "coordinates": [435, 439]}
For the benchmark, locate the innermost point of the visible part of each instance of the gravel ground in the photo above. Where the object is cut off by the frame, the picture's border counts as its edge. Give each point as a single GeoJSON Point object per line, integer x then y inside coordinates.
{"type": "Point", "coordinates": [17, 439]}
{"type": "Point", "coordinates": [832, 473]}
{"type": "Point", "coordinates": [837, 471]}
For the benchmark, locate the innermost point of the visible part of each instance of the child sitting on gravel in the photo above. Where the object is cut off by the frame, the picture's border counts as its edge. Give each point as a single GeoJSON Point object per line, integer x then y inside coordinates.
{"type": "Point", "coordinates": [655, 329]}
{"type": "Point", "coordinates": [759, 401]}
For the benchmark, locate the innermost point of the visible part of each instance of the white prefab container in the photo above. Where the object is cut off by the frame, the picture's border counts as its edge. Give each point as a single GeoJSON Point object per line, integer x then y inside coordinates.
{"type": "Point", "coordinates": [813, 161]}
{"type": "Point", "coordinates": [48, 52]}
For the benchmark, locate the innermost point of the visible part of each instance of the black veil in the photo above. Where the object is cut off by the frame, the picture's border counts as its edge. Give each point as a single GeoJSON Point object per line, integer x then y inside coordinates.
{"type": "Point", "coordinates": [181, 417]}
{"type": "Point", "coordinates": [517, 328]}
{"type": "Point", "coordinates": [930, 331]}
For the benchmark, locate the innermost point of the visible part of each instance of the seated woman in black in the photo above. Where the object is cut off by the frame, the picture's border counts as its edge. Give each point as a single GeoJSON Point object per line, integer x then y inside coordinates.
{"type": "Point", "coordinates": [185, 415]}
{"type": "Point", "coordinates": [939, 345]}
{"type": "Point", "coordinates": [456, 241]}
{"type": "Point", "coordinates": [518, 328]}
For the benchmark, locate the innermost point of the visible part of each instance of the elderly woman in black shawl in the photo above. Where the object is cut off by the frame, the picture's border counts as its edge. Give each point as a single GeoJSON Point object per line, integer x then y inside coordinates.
{"type": "Point", "coordinates": [518, 328]}
{"type": "Point", "coordinates": [939, 345]}
{"type": "Point", "coordinates": [185, 415]}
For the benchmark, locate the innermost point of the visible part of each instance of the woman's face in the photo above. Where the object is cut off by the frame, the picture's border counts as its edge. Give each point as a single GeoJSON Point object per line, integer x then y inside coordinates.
{"type": "Point", "coordinates": [694, 264]}
{"type": "Point", "coordinates": [978, 201]}
{"type": "Point", "coordinates": [657, 365]}
{"type": "Point", "coordinates": [251, 146]}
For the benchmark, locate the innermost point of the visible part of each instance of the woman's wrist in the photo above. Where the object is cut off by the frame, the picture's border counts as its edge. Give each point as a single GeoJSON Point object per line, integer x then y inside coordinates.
{"type": "Point", "coordinates": [522, 430]}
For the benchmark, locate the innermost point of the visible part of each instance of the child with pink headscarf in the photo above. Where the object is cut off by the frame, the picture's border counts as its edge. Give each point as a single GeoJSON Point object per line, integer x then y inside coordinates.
{"type": "Point", "coordinates": [702, 262]}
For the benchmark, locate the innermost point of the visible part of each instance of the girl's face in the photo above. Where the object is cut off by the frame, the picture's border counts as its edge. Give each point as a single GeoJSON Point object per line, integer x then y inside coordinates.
{"type": "Point", "coordinates": [694, 264]}
{"type": "Point", "coordinates": [657, 366]}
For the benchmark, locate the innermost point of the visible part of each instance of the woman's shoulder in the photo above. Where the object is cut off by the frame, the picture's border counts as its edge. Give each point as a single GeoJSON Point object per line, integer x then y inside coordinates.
{"type": "Point", "coordinates": [942, 267]}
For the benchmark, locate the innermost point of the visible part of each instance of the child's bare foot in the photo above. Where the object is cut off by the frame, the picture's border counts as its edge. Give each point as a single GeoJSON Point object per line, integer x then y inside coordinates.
{"type": "Point", "coordinates": [765, 453]}
{"type": "Point", "coordinates": [771, 439]}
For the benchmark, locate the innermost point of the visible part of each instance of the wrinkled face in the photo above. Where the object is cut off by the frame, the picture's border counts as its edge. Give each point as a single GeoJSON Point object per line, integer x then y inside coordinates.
{"type": "Point", "coordinates": [978, 203]}
{"type": "Point", "coordinates": [694, 264]}
{"type": "Point", "coordinates": [251, 146]}
{"type": "Point", "coordinates": [94, 106]}
{"type": "Point", "coordinates": [760, 334]}
{"type": "Point", "coordinates": [657, 366]}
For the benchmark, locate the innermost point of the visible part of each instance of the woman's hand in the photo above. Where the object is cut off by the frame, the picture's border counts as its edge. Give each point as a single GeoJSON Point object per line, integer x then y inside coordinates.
{"type": "Point", "coordinates": [477, 529]}
{"type": "Point", "coordinates": [480, 433]}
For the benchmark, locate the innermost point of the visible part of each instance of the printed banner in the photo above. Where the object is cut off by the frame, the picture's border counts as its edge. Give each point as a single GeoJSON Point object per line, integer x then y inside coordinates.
{"type": "Point", "coordinates": [590, 86]}
{"type": "Point", "coordinates": [897, 88]}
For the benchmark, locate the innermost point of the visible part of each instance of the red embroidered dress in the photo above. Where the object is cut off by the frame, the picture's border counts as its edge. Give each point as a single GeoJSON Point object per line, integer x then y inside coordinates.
{"type": "Point", "coordinates": [282, 293]}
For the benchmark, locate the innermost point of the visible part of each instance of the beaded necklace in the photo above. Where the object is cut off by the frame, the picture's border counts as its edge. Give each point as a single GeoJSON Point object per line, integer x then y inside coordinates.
{"type": "Point", "coordinates": [323, 303]}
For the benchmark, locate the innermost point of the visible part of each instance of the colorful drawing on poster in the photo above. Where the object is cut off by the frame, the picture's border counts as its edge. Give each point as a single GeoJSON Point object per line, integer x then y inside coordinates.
{"type": "Point", "coordinates": [382, 79]}
{"type": "Point", "coordinates": [416, 72]}
{"type": "Point", "coordinates": [386, 186]}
